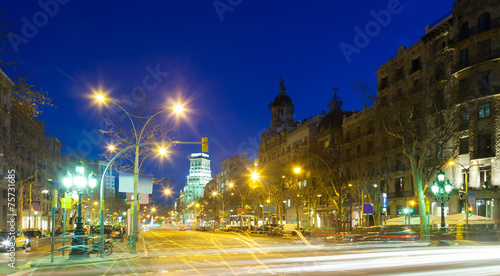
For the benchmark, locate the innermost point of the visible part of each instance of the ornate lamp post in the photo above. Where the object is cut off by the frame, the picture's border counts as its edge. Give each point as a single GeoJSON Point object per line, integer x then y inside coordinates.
{"type": "Point", "coordinates": [441, 192]}
{"type": "Point", "coordinates": [80, 185]}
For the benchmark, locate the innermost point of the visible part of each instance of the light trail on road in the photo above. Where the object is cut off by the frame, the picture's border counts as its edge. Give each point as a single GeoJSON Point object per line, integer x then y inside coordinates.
{"type": "Point", "coordinates": [212, 253]}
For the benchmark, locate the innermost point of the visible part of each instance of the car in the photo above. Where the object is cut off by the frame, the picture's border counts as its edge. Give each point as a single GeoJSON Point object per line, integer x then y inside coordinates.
{"type": "Point", "coordinates": [117, 232]}
{"type": "Point", "coordinates": [182, 228]}
{"type": "Point", "coordinates": [277, 231]}
{"type": "Point", "coordinates": [34, 233]}
{"type": "Point", "coordinates": [266, 229]}
{"type": "Point", "coordinates": [21, 241]}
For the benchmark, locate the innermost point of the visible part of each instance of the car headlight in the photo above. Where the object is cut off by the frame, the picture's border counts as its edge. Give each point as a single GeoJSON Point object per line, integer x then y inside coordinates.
{"type": "Point", "coordinates": [27, 240]}
{"type": "Point", "coordinates": [6, 243]}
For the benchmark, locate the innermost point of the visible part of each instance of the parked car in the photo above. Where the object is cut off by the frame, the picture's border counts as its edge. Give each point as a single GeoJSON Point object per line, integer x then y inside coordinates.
{"type": "Point", "coordinates": [21, 241]}
{"type": "Point", "coordinates": [34, 233]}
{"type": "Point", "coordinates": [265, 229]}
{"type": "Point", "coordinates": [231, 228]}
{"type": "Point", "coordinates": [289, 228]}
{"type": "Point", "coordinates": [117, 232]}
{"type": "Point", "coordinates": [276, 231]}
{"type": "Point", "coordinates": [202, 228]}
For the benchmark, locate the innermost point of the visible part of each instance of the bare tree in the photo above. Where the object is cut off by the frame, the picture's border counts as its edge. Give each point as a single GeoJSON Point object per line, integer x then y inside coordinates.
{"type": "Point", "coordinates": [424, 124]}
{"type": "Point", "coordinates": [122, 134]}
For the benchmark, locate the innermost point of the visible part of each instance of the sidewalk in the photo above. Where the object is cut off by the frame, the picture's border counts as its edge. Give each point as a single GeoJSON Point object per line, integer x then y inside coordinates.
{"type": "Point", "coordinates": [42, 257]}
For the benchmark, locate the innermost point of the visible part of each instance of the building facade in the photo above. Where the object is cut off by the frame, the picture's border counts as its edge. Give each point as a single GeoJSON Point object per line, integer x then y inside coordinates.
{"type": "Point", "coordinates": [453, 66]}
{"type": "Point", "coordinates": [199, 175]}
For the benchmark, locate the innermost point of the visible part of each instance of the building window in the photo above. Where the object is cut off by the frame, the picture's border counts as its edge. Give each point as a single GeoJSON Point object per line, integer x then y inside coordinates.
{"type": "Point", "coordinates": [464, 58]}
{"type": "Point", "coordinates": [484, 110]}
{"type": "Point", "coordinates": [464, 146]}
{"type": "Point", "coordinates": [400, 74]}
{"type": "Point", "coordinates": [484, 82]}
{"type": "Point", "coordinates": [415, 65]}
{"type": "Point", "coordinates": [466, 116]}
{"type": "Point", "coordinates": [464, 31]}
{"type": "Point", "coordinates": [484, 145]}
{"type": "Point", "coordinates": [484, 50]}
{"type": "Point", "coordinates": [371, 128]}
{"type": "Point", "coordinates": [384, 83]}
{"type": "Point", "coordinates": [440, 101]}
{"type": "Point", "coordinates": [464, 88]}
{"type": "Point", "coordinates": [439, 72]}
{"type": "Point", "coordinates": [399, 187]}
{"type": "Point", "coordinates": [400, 92]}
{"type": "Point", "coordinates": [485, 177]}
{"type": "Point", "coordinates": [484, 22]}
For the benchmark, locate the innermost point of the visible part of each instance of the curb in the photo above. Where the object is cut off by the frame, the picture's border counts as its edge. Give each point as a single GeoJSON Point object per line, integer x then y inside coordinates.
{"type": "Point", "coordinates": [96, 260]}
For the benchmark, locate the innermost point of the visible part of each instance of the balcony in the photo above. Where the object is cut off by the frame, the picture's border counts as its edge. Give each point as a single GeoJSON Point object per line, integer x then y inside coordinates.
{"type": "Point", "coordinates": [480, 154]}
{"type": "Point", "coordinates": [475, 59]}
{"type": "Point", "coordinates": [474, 30]}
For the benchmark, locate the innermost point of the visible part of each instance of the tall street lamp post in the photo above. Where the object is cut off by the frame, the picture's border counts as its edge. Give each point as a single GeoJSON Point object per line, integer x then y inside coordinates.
{"type": "Point", "coordinates": [256, 177]}
{"type": "Point", "coordinates": [441, 192]}
{"type": "Point", "coordinates": [465, 193]}
{"type": "Point", "coordinates": [138, 138]}
{"type": "Point", "coordinates": [296, 170]}
{"type": "Point", "coordinates": [242, 198]}
{"type": "Point", "coordinates": [81, 185]}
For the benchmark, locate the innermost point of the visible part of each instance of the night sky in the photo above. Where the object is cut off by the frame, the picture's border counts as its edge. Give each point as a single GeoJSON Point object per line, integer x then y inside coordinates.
{"type": "Point", "coordinates": [225, 63]}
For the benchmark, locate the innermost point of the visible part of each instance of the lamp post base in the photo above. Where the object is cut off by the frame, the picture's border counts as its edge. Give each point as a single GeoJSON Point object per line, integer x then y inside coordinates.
{"type": "Point", "coordinates": [79, 243]}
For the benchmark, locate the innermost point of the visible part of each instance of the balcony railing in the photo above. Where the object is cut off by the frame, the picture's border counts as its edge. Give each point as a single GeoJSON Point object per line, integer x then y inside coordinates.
{"type": "Point", "coordinates": [475, 59]}
{"type": "Point", "coordinates": [473, 30]}
{"type": "Point", "coordinates": [440, 19]}
{"type": "Point", "coordinates": [479, 154]}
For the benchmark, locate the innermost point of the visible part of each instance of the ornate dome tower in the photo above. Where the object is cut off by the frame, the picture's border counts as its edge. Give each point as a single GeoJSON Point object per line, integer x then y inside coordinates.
{"type": "Point", "coordinates": [281, 109]}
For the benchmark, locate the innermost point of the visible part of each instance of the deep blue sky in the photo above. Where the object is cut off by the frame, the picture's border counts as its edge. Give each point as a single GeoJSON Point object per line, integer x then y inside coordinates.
{"type": "Point", "coordinates": [229, 69]}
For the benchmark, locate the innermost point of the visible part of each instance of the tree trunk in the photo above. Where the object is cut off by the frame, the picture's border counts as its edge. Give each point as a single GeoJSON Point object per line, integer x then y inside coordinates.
{"type": "Point", "coordinates": [424, 227]}
{"type": "Point", "coordinates": [20, 207]}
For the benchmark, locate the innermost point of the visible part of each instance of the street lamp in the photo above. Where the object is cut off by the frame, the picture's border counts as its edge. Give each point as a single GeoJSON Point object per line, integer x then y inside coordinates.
{"type": "Point", "coordinates": [466, 192]}
{"type": "Point", "coordinates": [256, 177]}
{"type": "Point", "coordinates": [215, 194]}
{"type": "Point", "coordinates": [441, 192]}
{"type": "Point", "coordinates": [81, 185]}
{"type": "Point", "coordinates": [296, 170]}
{"type": "Point", "coordinates": [138, 137]}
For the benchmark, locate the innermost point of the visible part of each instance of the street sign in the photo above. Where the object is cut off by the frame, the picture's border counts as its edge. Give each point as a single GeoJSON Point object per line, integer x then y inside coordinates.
{"type": "Point", "coordinates": [367, 208]}
{"type": "Point", "coordinates": [383, 197]}
{"type": "Point", "coordinates": [242, 211]}
{"type": "Point", "coordinates": [54, 198]}
{"type": "Point", "coordinates": [126, 181]}
{"type": "Point", "coordinates": [472, 198]}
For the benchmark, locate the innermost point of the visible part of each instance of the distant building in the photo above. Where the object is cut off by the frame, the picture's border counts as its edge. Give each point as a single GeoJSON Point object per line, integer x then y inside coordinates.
{"type": "Point", "coordinates": [98, 166]}
{"type": "Point", "coordinates": [199, 175]}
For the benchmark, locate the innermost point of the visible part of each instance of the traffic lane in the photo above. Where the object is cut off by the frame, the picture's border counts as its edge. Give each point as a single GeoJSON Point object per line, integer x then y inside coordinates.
{"type": "Point", "coordinates": [162, 239]}
{"type": "Point", "coordinates": [415, 262]}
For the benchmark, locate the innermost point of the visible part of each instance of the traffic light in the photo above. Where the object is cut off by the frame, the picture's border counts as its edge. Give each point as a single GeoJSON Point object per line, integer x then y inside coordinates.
{"type": "Point", "coordinates": [469, 212]}
{"type": "Point", "coordinates": [410, 205]}
{"type": "Point", "coordinates": [204, 145]}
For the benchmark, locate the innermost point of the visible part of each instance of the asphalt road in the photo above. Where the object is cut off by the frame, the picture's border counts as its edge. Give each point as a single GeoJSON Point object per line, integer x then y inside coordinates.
{"type": "Point", "coordinates": [173, 252]}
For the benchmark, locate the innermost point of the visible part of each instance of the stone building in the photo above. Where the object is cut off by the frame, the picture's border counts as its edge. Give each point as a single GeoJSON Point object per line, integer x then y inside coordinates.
{"type": "Point", "coordinates": [307, 144]}
{"type": "Point", "coordinates": [454, 65]}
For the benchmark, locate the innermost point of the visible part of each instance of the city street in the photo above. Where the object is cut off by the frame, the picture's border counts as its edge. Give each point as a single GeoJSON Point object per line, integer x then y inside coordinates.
{"type": "Point", "coordinates": [174, 252]}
